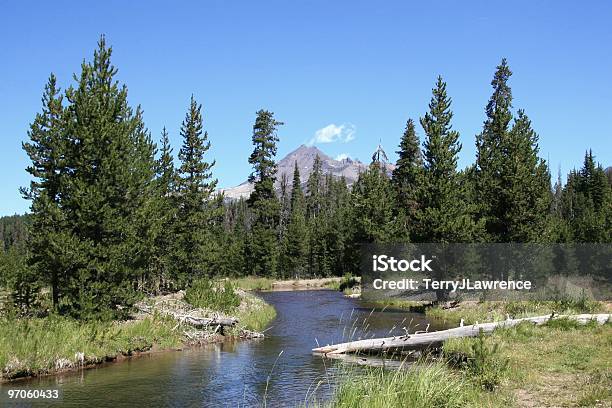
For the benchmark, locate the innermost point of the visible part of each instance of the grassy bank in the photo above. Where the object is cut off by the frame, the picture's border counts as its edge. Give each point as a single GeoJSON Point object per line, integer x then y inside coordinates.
{"type": "Point", "coordinates": [228, 297]}
{"type": "Point", "coordinates": [489, 311]}
{"type": "Point", "coordinates": [250, 283]}
{"type": "Point", "coordinates": [558, 364]}
{"type": "Point", "coordinates": [40, 346]}
{"type": "Point", "coordinates": [254, 313]}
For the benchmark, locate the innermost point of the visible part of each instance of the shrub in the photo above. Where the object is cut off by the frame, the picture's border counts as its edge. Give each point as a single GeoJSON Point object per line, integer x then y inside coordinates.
{"type": "Point", "coordinates": [206, 294]}
{"type": "Point", "coordinates": [485, 366]}
{"type": "Point", "coordinates": [478, 358]}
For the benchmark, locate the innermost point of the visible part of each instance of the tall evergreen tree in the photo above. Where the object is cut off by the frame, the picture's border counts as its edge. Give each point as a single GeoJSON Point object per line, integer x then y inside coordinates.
{"type": "Point", "coordinates": [165, 213]}
{"type": "Point", "coordinates": [513, 183]}
{"type": "Point", "coordinates": [406, 180]}
{"type": "Point", "coordinates": [110, 159]}
{"type": "Point", "coordinates": [296, 240]}
{"type": "Point", "coordinates": [196, 250]}
{"type": "Point", "coordinates": [285, 206]}
{"type": "Point", "coordinates": [444, 216]}
{"type": "Point", "coordinates": [47, 151]}
{"type": "Point", "coordinates": [373, 199]}
{"type": "Point", "coordinates": [315, 188]}
{"type": "Point", "coordinates": [315, 222]}
{"type": "Point", "coordinates": [526, 186]}
{"type": "Point", "coordinates": [490, 160]}
{"type": "Point", "coordinates": [263, 248]}
{"type": "Point", "coordinates": [340, 229]}
{"type": "Point", "coordinates": [587, 203]}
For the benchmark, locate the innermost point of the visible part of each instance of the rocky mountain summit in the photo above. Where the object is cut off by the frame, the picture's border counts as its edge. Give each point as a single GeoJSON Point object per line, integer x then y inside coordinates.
{"type": "Point", "coordinates": [305, 157]}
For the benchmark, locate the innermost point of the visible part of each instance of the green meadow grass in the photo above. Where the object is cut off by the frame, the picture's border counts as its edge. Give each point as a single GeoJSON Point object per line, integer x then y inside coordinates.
{"type": "Point", "coordinates": [40, 345]}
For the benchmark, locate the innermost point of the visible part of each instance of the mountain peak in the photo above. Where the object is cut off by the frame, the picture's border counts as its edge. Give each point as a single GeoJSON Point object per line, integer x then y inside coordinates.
{"type": "Point", "coordinates": [305, 156]}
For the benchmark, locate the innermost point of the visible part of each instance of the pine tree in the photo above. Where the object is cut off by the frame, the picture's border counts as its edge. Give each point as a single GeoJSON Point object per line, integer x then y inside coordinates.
{"type": "Point", "coordinates": [513, 183]}
{"type": "Point", "coordinates": [315, 187]}
{"type": "Point", "coordinates": [234, 238]}
{"type": "Point", "coordinates": [285, 206]}
{"type": "Point", "coordinates": [110, 159]}
{"type": "Point", "coordinates": [406, 180]}
{"type": "Point", "coordinates": [490, 159]}
{"type": "Point", "coordinates": [297, 239]}
{"type": "Point", "coordinates": [372, 203]}
{"type": "Point", "coordinates": [340, 233]}
{"type": "Point", "coordinates": [444, 215]}
{"type": "Point", "coordinates": [525, 186]}
{"type": "Point", "coordinates": [165, 214]}
{"type": "Point", "coordinates": [47, 151]}
{"type": "Point", "coordinates": [196, 250]}
{"type": "Point", "coordinates": [587, 203]}
{"type": "Point", "coordinates": [263, 248]}
{"type": "Point", "coordinates": [315, 221]}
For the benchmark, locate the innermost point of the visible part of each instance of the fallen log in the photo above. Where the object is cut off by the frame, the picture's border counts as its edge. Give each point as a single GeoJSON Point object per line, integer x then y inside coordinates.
{"type": "Point", "coordinates": [370, 361]}
{"type": "Point", "coordinates": [423, 340]}
{"type": "Point", "coordinates": [190, 319]}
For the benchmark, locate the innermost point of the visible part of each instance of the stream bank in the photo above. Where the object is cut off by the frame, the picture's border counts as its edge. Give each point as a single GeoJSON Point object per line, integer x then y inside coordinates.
{"type": "Point", "coordinates": [34, 347]}
{"type": "Point", "coordinates": [279, 369]}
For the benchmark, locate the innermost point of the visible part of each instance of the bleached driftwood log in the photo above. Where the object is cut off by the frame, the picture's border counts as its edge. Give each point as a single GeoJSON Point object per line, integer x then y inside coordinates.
{"type": "Point", "coordinates": [371, 361]}
{"type": "Point", "coordinates": [422, 340]}
{"type": "Point", "coordinates": [192, 320]}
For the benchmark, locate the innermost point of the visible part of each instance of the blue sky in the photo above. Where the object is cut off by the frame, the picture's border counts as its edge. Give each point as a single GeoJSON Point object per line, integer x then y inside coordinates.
{"type": "Point", "coordinates": [357, 70]}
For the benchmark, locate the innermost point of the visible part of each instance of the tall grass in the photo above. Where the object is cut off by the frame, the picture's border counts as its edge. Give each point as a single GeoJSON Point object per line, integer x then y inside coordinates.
{"type": "Point", "coordinates": [36, 346]}
{"type": "Point", "coordinates": [252, 283]}
{"type": "Point", "coordinates": [254, 313]}
{"type": "Point", "coordinates": [428, 385]}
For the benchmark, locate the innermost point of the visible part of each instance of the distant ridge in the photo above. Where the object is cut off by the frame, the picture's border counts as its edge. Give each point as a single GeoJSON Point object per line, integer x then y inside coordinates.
{"type": "Point", "coordinates": [305, 157]}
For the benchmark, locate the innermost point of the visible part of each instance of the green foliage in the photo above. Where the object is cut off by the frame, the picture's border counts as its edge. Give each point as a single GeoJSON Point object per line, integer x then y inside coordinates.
{"type": "Point", "coordinates": [20, 280]}
{"type": "Point", "coordinates": [262, 249]}
{"type": "Point", "coordinates": [480, 358]}
{"type": "Point", "coordinates": [443, 216]}
{"type": "Point", "coordinates": [295, 244]}
{"type": "Point", "coordinates": [585, 203]}
{"type": "Point", "coordinates": [428, 385]}
{"type": "Point", "coordinates": [372, 200]}
{"type": "Point", "coordinates": [485, 365]}
{"type": "Point", "coordinates": [93, 171]}
{"type": "Point", "coordinates": [407, 181]}
{"type": "Point", "coordinates": [347, 282]}
{"type": "Point", "coordinates": [195, 252]}
{"type": "Point", "coordinates": [13, 230]}
{"type": "Point", "coordinates": [513, 183]}
{"type": "Point", "coordinates": [164, 210]}
{"type": "Point", "coordinates": [207, 294]}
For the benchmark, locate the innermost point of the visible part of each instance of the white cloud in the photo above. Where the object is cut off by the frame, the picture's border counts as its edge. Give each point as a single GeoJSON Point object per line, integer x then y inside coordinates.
{"type": "Point", "coordinates": [342, 156]}
{"type": "Point", "coordinates": [334, 133]}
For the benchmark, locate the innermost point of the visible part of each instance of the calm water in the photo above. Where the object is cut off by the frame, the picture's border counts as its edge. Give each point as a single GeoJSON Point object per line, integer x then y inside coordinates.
{"type": "Point", "coordinates": [238, 373]}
